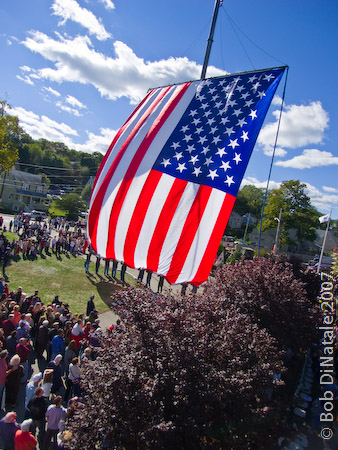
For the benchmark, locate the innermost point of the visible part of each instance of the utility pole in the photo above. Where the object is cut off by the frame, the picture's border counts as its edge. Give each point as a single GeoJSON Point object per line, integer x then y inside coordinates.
{"type": "Point", "coordinates": [246, 227]}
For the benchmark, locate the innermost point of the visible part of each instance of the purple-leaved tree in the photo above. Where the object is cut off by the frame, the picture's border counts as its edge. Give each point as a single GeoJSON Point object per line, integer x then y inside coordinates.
{"type": "Point", "coordinates": [197, 372]}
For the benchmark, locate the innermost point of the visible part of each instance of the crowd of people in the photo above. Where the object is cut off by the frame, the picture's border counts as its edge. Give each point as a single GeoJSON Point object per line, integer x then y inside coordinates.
{"type": "Point", "coordinates": [60, 343]}
{"type": "Point", "coordinates": [45, 237]}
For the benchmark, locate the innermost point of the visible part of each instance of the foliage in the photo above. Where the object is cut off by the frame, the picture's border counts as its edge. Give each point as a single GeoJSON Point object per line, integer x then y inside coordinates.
{"type": "Point", "coordinates": [249, 200]}
{"type": "Point", "coordinates": [87, 190]}
{"type": "Point", "coordinates": [267, 291]}
{"type": "Point", "coordinates": [334, 267]}
{"type": "Point", "coordinates": [297, 212]}
{"type": "Point", "coordinates": [186, 374]}
{"type": "Point", "coordinates": [9, 131]}
{"type": "Point", "coordinates": [73, 204]}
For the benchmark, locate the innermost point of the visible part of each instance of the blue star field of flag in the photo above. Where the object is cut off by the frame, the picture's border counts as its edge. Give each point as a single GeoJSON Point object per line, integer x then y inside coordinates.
{"type": "Point", "coordinates": [213, 141]}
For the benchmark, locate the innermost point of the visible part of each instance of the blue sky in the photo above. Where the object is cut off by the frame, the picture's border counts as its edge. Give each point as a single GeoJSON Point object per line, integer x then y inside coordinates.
{"type": "Point", "coordinates": [73, 70]}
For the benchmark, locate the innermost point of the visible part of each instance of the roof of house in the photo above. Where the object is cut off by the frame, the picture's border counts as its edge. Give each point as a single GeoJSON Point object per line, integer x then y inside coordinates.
{"type": "Point", "coordinates": [26, 177]}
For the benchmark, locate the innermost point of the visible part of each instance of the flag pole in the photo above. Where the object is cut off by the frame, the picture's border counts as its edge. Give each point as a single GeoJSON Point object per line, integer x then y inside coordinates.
{"type": "Point", "coordinates": [324, 242]}
{"type": "Point", "coordinates": [210, 38]}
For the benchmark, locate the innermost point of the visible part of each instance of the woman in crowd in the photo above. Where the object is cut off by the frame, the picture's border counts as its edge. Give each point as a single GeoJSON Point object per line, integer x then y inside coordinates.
{"type": "Point", "coordinates": [14, 374]}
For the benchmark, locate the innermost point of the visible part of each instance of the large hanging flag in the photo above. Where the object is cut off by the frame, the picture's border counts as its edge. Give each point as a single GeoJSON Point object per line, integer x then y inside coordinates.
{"type": "Point", "coordinates": [166, 187]}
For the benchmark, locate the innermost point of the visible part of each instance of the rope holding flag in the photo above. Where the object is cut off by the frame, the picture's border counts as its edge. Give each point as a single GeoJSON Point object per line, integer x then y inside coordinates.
{"type": "Point", "coordinates": [167, 185]}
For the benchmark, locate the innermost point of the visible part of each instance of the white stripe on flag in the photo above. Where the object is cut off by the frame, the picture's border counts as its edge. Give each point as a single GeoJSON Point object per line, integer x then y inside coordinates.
{"type": "Point", "coordinates": [201, 239]}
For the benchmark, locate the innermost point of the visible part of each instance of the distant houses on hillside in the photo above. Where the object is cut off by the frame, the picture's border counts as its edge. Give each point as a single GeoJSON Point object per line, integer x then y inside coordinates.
{"type": "Point", "coordinates": [23, 191]}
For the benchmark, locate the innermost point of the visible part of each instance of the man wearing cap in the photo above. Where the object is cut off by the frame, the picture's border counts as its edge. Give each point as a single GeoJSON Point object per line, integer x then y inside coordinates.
{"type": "Point", "coordinates": [8, 428]}
{"type": "Point", "coordinates": [24, 440]}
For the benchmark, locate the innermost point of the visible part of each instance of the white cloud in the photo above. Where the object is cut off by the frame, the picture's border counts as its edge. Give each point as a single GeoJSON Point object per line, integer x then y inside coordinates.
{"type": "Point", "coordinates": [97, 143]}
{"type": "Point", "coordinates": [330, 189]}
{"type": "Point", "coordinates": [25, 69]}
{"type": "Point", "coordinates": [300, 125]}
{"type": "Point", "coordinates": [75, 102]}
{"type": "Point", "coordinates": [310, 158]}
{"type": "Point", "coordinates": [252, 181]}
{"type": "Point", "coordinates": [71, 10]}
{"type": "Point", "coordinates": [324, 202]}
{"type": "Point", "coordinates": [26, 80]}
{"type": "Point", "coordinates": [68, 109]}
{"type": "Point", "coordinates": [41, 127]}
{"type": "Point", "coordinates": [76, 61]}
{"type": "Point", "coordinates": [108, 4]}
{"type": "Point", "coordinates": [52, 91]}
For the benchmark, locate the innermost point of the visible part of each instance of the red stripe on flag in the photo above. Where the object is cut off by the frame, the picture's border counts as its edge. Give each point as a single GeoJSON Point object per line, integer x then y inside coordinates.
{"type": "Point", "coordinates": [136, 161]}
{"type": "Point", "coordinates": [214, 241]}
{"type": "Point", "coordinates": [163, 223]}
{"type": "Point", "coordinates": [138, 216]}
{"type": "Point", "coordinates": [116, 137]}
{"type": "Point", "coordinates": [97, 203]}
{"type": "Point", "coordinates": [188, 232]}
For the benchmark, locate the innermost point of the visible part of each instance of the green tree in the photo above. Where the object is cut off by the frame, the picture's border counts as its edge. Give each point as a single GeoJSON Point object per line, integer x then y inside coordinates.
{"type": "Point", "coordinates": [72, 204]}
{"type": "Point", "coordinates": [249, 200]}
{"type": "Point", "coordinates": [298, 213]}
{"type": "Point", "coordinates": [87, 190]}
{"type": "Point", "coordinates": [334, 268]}
{"type": "Point", "coordinates": [9, 130]}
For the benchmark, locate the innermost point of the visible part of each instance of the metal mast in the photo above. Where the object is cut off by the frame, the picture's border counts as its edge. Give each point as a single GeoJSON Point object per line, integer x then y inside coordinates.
{"type": "Point", "coordinates": [210, 38]}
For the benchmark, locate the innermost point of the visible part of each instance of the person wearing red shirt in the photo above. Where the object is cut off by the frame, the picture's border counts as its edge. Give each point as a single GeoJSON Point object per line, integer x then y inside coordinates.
{"type": "Point", "coordinates": [24, 440]}
{"type": "Point", "coordinates": [23, 349]}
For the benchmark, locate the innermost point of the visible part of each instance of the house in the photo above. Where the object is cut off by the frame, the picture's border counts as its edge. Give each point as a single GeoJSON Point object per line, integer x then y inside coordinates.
{"type": "Point", "coordinates": [24, 191]}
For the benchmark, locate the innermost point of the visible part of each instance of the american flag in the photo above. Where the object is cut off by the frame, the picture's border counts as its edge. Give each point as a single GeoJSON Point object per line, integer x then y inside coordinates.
{"type": "Point", "coordinates": [166, 187]}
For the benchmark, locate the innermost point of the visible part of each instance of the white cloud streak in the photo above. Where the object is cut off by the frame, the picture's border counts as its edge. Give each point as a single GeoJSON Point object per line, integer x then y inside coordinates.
{"type": "Point", "coordinates": [126, 75]}
{"type": "Point", "coordinates": [310, 158]}
{"type": "Point", "coordinates": [300, 125]}
{"type": "Point", "coordinates": [71, 10]}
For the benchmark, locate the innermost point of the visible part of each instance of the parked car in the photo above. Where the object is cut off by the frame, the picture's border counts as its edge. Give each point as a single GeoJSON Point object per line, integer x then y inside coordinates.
{"type": "Point", "coordinates": [38, 215]}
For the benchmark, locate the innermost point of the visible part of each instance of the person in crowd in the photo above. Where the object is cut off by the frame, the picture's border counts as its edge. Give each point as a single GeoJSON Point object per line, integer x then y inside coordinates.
{"type": "Point", "coordinates": [97, 264]}
{"type": "Point", "coordinates": [47, 383]}
{"type": "Point", "coordinates": [77, 333]}
{"type": "Point", "coordinates": [3, 373]}
{"type": "Point", "coordinates": [37, 407]}
{"type": "Point", "coordinates": [23, 439]}
{"type": "Point", "coordinates": [21, 332]}
{"type": "Point", "coordinates": [31, 386]}
{"type": "Point", "coordinates": [114, 268]}
{"type": "Point", "coordinates": [54, 415]}
{"type": "Point", "coordinates": [41, 341]}
{"type": "Point", "coordinates": [14, 374]}
{"type": "Point", "coordinates": [123, 272]}
{"type": "Point", "coordinates": [74, 376]}
{"type": "Point", "coordinates": [55, 364]}
{"type": "Point", "coordinates": [90, 305]}
{"type": "Point", "coordinates": [70, 353]}
{"type": "Point", "coordinates": [24, 349]}
{"type": "Point", "coordinates": [11, 344]}
{"type": "Point", "coordinates": [8, 325]}
{"type": "Point", "coordinates": [8, 428]}
{"type": "Point", "coordinates": [58, 344]}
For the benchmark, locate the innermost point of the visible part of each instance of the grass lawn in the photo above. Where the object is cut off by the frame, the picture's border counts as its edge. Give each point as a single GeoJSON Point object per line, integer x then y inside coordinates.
{"type": "Point", "coordinates": [64, 277]}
